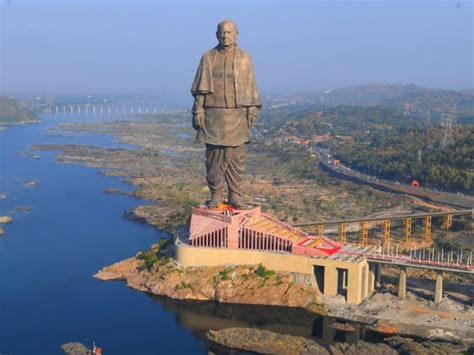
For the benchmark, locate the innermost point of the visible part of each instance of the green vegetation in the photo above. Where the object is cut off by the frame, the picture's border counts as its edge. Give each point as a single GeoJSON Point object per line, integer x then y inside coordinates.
{"type": "Point", "coordinates": [180, 217]}
{"type": "Point", "coordinates": [396, 141]}
{"type": "Point", "coordinates": [339, 120]}
{"type": "Point", "coordinates": [291, 162]}
{"type": "Point", "coordinates": [224, 274]}
{"type": "Point", "coordinates": [262, 272]}
{"type": "Point", "coordinates": [12, 112]}
{"type": "Point", "coordinates": [304, 191]}
{"type": "Point", "coordinates": [183, 285]}
{"type": "Point", "coordinates": [155, 256]}
{"type": "Point", "coordinates": [449, 246]}
{"type": "Point", "coordinates": [412, 153]}
{"type": "Point", "coordinates": [345, 120]}
{"type": "Point", "coordinates": [412, 100]}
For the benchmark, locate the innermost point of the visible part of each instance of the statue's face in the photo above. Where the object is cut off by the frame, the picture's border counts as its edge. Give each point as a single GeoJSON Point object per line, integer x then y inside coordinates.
{"type": "Point", "coordinates": [227, 34]}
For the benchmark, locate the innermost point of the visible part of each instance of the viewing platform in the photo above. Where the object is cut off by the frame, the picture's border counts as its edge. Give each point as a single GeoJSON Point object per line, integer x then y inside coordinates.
{"type": "Point", "coordinates": [224, 236]}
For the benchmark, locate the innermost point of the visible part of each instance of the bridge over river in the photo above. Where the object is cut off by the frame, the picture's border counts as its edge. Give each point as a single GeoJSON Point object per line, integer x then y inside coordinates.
{"type": "Point", "coordinates": [109, 109]}
{"type": "Point", "coordinates": [391, 253]}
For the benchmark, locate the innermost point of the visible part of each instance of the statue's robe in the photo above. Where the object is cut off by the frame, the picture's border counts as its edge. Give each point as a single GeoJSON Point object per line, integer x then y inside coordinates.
{"type": "Point", "coordinates": [225, 87]}
{"type": "Point", "coordinates": [229, 90]}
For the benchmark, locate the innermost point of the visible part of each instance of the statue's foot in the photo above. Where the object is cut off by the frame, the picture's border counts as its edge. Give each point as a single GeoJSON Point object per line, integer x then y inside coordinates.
{"type": "Point", "coordinates": [215, 201]}
{"type": "Point", "coordinates": [236, 201]}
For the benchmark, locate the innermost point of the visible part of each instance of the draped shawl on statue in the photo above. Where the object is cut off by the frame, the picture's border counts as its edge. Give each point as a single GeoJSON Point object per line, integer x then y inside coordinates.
{"type": "Point", "coordinates": [245, 87]}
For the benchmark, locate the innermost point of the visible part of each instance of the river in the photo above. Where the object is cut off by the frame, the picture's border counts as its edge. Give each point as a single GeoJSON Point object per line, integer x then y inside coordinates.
{"type": "Point", "coordinates": [48, 255]}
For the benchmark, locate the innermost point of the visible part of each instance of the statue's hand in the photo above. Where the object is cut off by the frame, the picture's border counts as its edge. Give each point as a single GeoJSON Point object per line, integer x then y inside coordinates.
{"type": "Point", "coordinates": [198, 120]}
{"type": "Point", "coordinates": [251, 119]}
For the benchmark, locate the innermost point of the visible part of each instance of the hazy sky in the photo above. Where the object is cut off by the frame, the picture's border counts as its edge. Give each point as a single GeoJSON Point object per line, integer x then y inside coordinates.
{"type": "Point", "coordinates": [65, 47]}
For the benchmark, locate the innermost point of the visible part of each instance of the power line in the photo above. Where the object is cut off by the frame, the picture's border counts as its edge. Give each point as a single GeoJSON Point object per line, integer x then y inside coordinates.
{"type": "Point", "coordinates": [448, 122]}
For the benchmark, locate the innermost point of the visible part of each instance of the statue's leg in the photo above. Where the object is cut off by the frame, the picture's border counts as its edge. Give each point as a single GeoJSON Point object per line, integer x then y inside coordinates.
{"type": "Point", "coordinates": [215, 168]}
{"type": "Point", "coordinates": [235, 168]}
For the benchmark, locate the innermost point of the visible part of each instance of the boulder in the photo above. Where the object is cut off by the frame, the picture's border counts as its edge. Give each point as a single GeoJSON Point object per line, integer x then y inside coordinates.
{"type": "Point", "coordinates": [5, 219]}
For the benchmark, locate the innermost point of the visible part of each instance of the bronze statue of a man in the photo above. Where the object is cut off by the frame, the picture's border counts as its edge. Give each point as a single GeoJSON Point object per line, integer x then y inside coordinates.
{"type": "Point", "coordinates": [226, 106]}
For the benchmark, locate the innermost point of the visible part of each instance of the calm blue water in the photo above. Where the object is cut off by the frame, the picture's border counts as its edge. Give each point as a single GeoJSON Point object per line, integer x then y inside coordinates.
{"type": "Point", "coordinates": [48, 256]}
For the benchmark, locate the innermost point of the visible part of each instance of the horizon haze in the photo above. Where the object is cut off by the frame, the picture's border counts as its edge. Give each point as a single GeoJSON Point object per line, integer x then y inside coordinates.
{"type": "Point", "coordinates": [55, 48]}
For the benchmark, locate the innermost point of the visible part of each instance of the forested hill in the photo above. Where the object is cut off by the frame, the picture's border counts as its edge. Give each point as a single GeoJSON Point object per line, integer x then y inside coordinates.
{"type": "Point", "coordinates": [412, 100]}
{"type": "Point", "coordinates": [435, 103]}
{"type": "Point", "coordinates": [383, 141]}
{"type": "Point", "coordinates": [11, 112]}
{"type": "Point", "coordinates": [407, 154]}
{"type": "Point", "coordinates": [343, 120]}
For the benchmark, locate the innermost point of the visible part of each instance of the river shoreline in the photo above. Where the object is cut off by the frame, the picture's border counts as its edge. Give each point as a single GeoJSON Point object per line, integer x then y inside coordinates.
{"type": "Point", "coordinates": [149, 170]}
{"type": "Point", "coordinates": [382, 312]}
{"type": "Point", "coordinates": [263, 341]}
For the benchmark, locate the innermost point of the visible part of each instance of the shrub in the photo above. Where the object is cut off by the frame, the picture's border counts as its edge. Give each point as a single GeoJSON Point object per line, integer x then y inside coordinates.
{"type": "Point", "coordinates": [154, 256]}
{"type": "Point", "coordinates": [224, 274]}
{"type": "Point", "coordinates": [262, 272]}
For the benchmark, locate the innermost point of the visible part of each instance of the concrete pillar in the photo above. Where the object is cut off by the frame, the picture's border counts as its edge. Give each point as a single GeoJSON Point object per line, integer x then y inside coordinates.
{"type": "Point", "coordinates": [354, 286]}
{"type": "Point", "coordinates": [438, 296]}
{"type": "Point", "coordinates": [377, 275]}
{"type": "Point", "coordinates": [364, 283]}
{"type": "Point", "coordinates": [330, 281]}
{"type": "Point", "coordinates": [402, 283]}
{"type": "Point", "coordinates": [371, 277]}
{"type": "Point", "coordinates": [374, 276]}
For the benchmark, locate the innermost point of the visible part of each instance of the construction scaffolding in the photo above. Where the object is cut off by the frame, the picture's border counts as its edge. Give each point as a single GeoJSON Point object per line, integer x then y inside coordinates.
{"type": "Point", "coordinates": [364, 233]}
{"type": "Point", "coordinates": [407, 229]}
{"type": "Point", "coordinates": [427, 228]}
{"type": "Point", "coordinates": [343, 232]}
{"type": "Point", "coordinates": [386, 233]}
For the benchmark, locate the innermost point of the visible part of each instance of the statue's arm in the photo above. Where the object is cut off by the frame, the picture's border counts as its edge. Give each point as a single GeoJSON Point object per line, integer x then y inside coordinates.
{"type": "Point", "coordinates": [198, 106]}
{"type": "Point", "coordinates": [198, 112]}
{"type": "Point", "coordinates": [252, 115]}
{"type": "Point", "coordinates": [254, 99]}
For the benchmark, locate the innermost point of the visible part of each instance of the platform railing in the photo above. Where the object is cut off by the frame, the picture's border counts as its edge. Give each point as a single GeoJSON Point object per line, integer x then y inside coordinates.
{"type": "Point", "coordinates": [252, 239]}
{"type": "Point", "coordinates": [218, 238]}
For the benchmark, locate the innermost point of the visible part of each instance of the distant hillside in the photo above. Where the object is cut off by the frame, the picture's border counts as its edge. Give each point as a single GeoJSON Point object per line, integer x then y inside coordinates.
{"type": "Point", "coordinates": [411, 99]}
{"type": "Point", "coordinates": [11, 112]}
{"type": "Point", "coordinates": [435, 103]}
{"type": "Point", "coordinates": [414, 153]}
{"type": "Point", "coordinates": [366, 95]}
{"type": "Point", "coordinates": [381, 140]}
{"type": "Point", "coordinates": [339, 120]}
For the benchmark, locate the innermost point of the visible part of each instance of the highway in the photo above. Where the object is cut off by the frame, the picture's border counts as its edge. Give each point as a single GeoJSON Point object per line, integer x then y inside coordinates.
{"type": "Point", "coordinates": [326, 163]}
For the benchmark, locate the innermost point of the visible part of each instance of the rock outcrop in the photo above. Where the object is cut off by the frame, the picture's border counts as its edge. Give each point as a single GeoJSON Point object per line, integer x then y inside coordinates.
{"type": "Point", "coordinates": [264, 341]}
{"type": "Point", "coordinates": [75, 349]}
{"type": "Point", "coordinates": [222, 284]}
{"type": "Point", "coordinates": [5, 220]}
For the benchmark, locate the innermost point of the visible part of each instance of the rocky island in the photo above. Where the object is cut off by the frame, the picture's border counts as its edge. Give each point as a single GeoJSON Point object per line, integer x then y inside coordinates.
{"type": "Point", "coordinates": [153, 273]}
{"type": "Point", "coordinates": [280, 187]}
{"type": "Point", "coordinates": [4, 220]}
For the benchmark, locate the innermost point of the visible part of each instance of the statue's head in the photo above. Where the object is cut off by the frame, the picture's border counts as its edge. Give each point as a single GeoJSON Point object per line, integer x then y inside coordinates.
{"type": "Point", "coordinates": [227, 33]}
